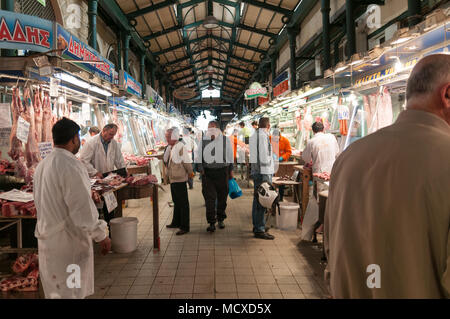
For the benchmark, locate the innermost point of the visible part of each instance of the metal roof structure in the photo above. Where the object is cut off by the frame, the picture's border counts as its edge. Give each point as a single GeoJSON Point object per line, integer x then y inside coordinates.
{"type": "Point", "coordinates": [223, 54]}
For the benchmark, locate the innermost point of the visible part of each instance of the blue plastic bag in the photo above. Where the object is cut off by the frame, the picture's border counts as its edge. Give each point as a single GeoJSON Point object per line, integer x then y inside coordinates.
{"type": "Point", "coordinates": [234, 191]}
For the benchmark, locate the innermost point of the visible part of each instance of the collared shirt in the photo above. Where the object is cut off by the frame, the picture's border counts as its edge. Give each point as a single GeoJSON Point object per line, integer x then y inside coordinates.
{"type": "Point", "coordinates": [105, 144]}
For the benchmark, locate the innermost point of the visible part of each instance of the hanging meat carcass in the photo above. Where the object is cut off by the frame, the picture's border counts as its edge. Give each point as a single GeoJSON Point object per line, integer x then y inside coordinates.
{"type": "Point", "coordinates": [15, 150]}
{"type": "Point", "coordinates": [31, 148]}
{"type": "Point", "coordinates": [38, 113]}
{"type": "Point", "coordinates": [47, 118]}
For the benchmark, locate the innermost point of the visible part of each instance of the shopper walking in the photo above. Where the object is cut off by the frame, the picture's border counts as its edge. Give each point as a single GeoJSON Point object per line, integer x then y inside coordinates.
{"type": "Point", "coordinates": [262, 170]}
{"type": "Point", "coordinates": [179, 169]}
{"type": "Point", "coordinates": [67, 219]}
{"type": "Point", "coordinates": [245, 132]}
{"type": "Point", "coordinates": [282, 149]}
{"type": "Point", "coordinates": [189, 143]}
{"type": "Point", "coordinates": [388, 210]}
{"type": "Point", "coordinates": [215, 162]}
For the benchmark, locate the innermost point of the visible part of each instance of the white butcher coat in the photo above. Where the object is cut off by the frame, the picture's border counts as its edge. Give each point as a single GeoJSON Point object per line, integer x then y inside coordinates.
{"type": "Point", "coordinates": [96, 161]}
{"type": "Point", "coordinates": [67, 222]}
{"type": "Point", "coordinates": [389, 205]}
{"type": "Point", "coordinates": [322, 149]}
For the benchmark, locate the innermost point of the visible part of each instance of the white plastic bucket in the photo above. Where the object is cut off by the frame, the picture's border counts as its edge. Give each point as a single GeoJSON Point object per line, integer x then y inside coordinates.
{"type": "Point", "coordinates": [288, 217]}
{"type": "Point", "coordinates": [124, 234]}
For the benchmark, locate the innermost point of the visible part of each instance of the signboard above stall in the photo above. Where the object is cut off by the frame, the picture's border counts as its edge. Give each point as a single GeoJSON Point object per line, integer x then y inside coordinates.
{"type": "Point", "coordinates": [255, 90]}
{"type": "Point", "coordinates": [73, 49]}
{"type": "Point", "coordinates": [281, 84]}
{"type": "Point", "coordinates": [129, 84]}
{"type": "Point", "coordinates": [24, 32]}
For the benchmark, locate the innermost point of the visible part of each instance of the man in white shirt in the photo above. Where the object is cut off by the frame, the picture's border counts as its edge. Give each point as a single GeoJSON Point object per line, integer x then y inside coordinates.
{"type": "Point", "coordinates": [322, 150]}
{"type": "Point", "coordinates": [388, 210]}
{"type": "Point", "coordinates": [67, 219]}
{"type": "Point", "coordinates": [189, 143]}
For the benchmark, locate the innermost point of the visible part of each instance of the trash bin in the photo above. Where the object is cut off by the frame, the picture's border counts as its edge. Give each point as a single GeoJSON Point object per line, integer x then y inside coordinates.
{"type": "Point", "coordinates": [124, 234]}
{"type": "Point", "coordinates": [287, 219]}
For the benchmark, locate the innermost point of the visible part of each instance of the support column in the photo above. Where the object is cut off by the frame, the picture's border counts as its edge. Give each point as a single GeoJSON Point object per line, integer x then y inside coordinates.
{"type": "Point", "coordinates": [126, 48]}
{"type": "Point", "coordinates": [326, 34]}
{"type": "Point", "coordinates": [92, 14]}
{"type": "Point", "coordinates": [160, 88]}
{"type": "Point", "coordinates": [152, 76]}
{"type": "Point", "coordinates": [166, 91]}
{"type": "Point", "coordinates": [119, 51]}
{"type": "Point", "coordinates": [414, 9]}
{"type": "Point", "coordinates": [8, 5]}
{"type": "Point", "coordinates": [142, 73]}
{"type": "Point", "coordinates": [350, 23]}
{"type": "Point", "coordinates": [292, 34]}
{"type": "Point", "coordinates": [273, 68]}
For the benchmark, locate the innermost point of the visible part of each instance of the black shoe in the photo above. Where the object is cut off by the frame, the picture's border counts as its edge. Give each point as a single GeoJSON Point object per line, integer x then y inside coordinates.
{"type": "Point", "coordinates": [191, 187]}
{"type": "Point", "coordinates": [221, 225]}
{"type": "Point", "coordinates": [264, 236]}
{"type": "Point", "coordinates": [211, 228]}
{"type": "Point", "coordinates": [181, 232]}
{"type": "Point", "coordinates": [172, 226]}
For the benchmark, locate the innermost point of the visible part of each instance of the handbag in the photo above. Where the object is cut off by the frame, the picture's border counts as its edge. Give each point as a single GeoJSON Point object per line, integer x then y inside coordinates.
{"type": "Point", "coordinates": [234, 191]}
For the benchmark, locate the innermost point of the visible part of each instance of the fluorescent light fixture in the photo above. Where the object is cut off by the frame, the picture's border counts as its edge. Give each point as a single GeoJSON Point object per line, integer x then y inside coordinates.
{"type": "Point", "coordinates": [401, 40]}
{"type": "Point", "coordinates": [71, 79]}
{"type": "Point", "coordinates": [89, 100]}
{"type": "Point", "coordinates": [282, 29]}
{"type": "Point", "coordinates": [340, 67]}
{"type": "Point", "coordinates": [398, 66]}
{"type": "Point", "coordinates": [310, 92]}
{"type": "Point", "coordinates": [99, 90]}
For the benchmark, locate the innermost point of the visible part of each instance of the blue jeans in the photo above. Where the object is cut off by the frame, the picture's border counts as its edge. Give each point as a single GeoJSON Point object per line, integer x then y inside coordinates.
{"type": "Point", "coordinates": [258, 211]}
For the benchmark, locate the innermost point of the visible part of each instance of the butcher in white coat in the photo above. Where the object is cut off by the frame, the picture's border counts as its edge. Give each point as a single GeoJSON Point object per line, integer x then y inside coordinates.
{"type": "Point", "coordinates": [67, 219]}
{"type": "Point", "coordinates": [387, 222]}
{"type": "Point", "coordinates": [102, 153]}
{"type": "Point", "coordinates": [322, 150]}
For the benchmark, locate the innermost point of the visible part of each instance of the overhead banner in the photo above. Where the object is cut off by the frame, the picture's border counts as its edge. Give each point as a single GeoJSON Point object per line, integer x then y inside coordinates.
{"type": "Point", "coordinates": [255, 90]}
{"type": "Point", "coordinates": [281, 84]}
{"type": "Point", "coordinates": [129, 84]}
{"type": "Point", "coordinates": [24, 32]}
{"type": "Point", "coordinates": [73, 48]}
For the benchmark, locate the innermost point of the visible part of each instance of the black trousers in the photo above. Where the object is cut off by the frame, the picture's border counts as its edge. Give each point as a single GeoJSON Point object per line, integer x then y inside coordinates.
{"type": "Point", "coordinates": [215, 189]}
{"type": "Point", "coordinates": [181, 205]}
{"type": "Point", "coordinates": [108, 216]}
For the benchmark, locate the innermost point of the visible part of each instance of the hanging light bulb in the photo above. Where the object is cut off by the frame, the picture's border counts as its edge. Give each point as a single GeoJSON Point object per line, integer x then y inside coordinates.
{"type": "Point", "coordinates": [398, 66]}
{"type": "Point", "coordinates": [61, 99]}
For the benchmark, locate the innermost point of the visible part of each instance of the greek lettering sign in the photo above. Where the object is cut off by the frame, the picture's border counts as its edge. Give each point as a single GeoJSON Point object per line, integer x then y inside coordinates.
{"type": "Point", "coordinates": [387, 72]}
{"type": "Point", "coordinates": [127, 83]}
{"type": "Point", "coordinates": [45, 148]}
{"type": "Point", "coordinates": [255, 90]}
{"type": "Point", "coordinates": [281, 84]}
{"type": "Point", "coordinates": [73, 49]}
{"type": "Point", "coordinates": [24, 32]}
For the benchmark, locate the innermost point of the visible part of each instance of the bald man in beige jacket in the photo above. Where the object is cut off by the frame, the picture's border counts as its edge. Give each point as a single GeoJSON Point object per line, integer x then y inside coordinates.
{"type": "Point", "coordinates": [388, 212]}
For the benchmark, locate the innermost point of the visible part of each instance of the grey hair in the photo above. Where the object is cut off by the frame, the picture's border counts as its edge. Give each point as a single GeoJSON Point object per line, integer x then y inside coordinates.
{"type": "Point", "coordinates": [110, 126]}
{"type": "Point", "coordinates": [426, 76]}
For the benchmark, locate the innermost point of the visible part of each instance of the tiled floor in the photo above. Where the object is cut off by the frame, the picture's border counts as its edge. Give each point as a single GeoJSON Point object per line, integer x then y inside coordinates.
{"type": "Point", "coordinates": [229, 263]}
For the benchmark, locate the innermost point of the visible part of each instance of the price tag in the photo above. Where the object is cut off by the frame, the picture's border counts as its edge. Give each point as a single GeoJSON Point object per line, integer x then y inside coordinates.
{"type": "Point", "coordinates": [110, 200]}
{"type": "Point", "coordinates": [343, 112]}
{"type": "Point", "coordinates": [54, 87]}
{"type": "Point", "coordinates": [5, 132]}
{"type": "Point", "coordinates": [23, 128]}
{"type": "Point", "coordinates": [5, 119]}
{"type": "Point", "coordinates": [45, 149]}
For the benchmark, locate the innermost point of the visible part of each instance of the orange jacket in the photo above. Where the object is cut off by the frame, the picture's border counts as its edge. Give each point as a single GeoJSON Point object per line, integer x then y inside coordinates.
{"type": "Point", "coordinates": [234, 143]}
{"type": "Point", "coordinates": [284, 148]}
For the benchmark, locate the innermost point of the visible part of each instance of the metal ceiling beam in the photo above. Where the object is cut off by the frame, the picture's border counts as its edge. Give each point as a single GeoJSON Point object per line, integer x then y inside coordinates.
{"type": "Point", "coordinates": [186, 41]}
{"type": "Point", "coordinates": [259, 31]}
{"type": "Point", "coordinates": [180, 70]}
{"type": "Point", "coordinates": [267, 6]}
{"type": "Point", "coordinates": [238, 44]}
{"type": "Point", "coordinates": [297, 17]}
{"type": "Point", "coordinates": [154, 35]}
{"type": "Point", "coordinates": [183, 78]}
{"type": "Point", "coordinates": [150, 8]}
{"type": "Point", "coordinates": [179, 46]}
